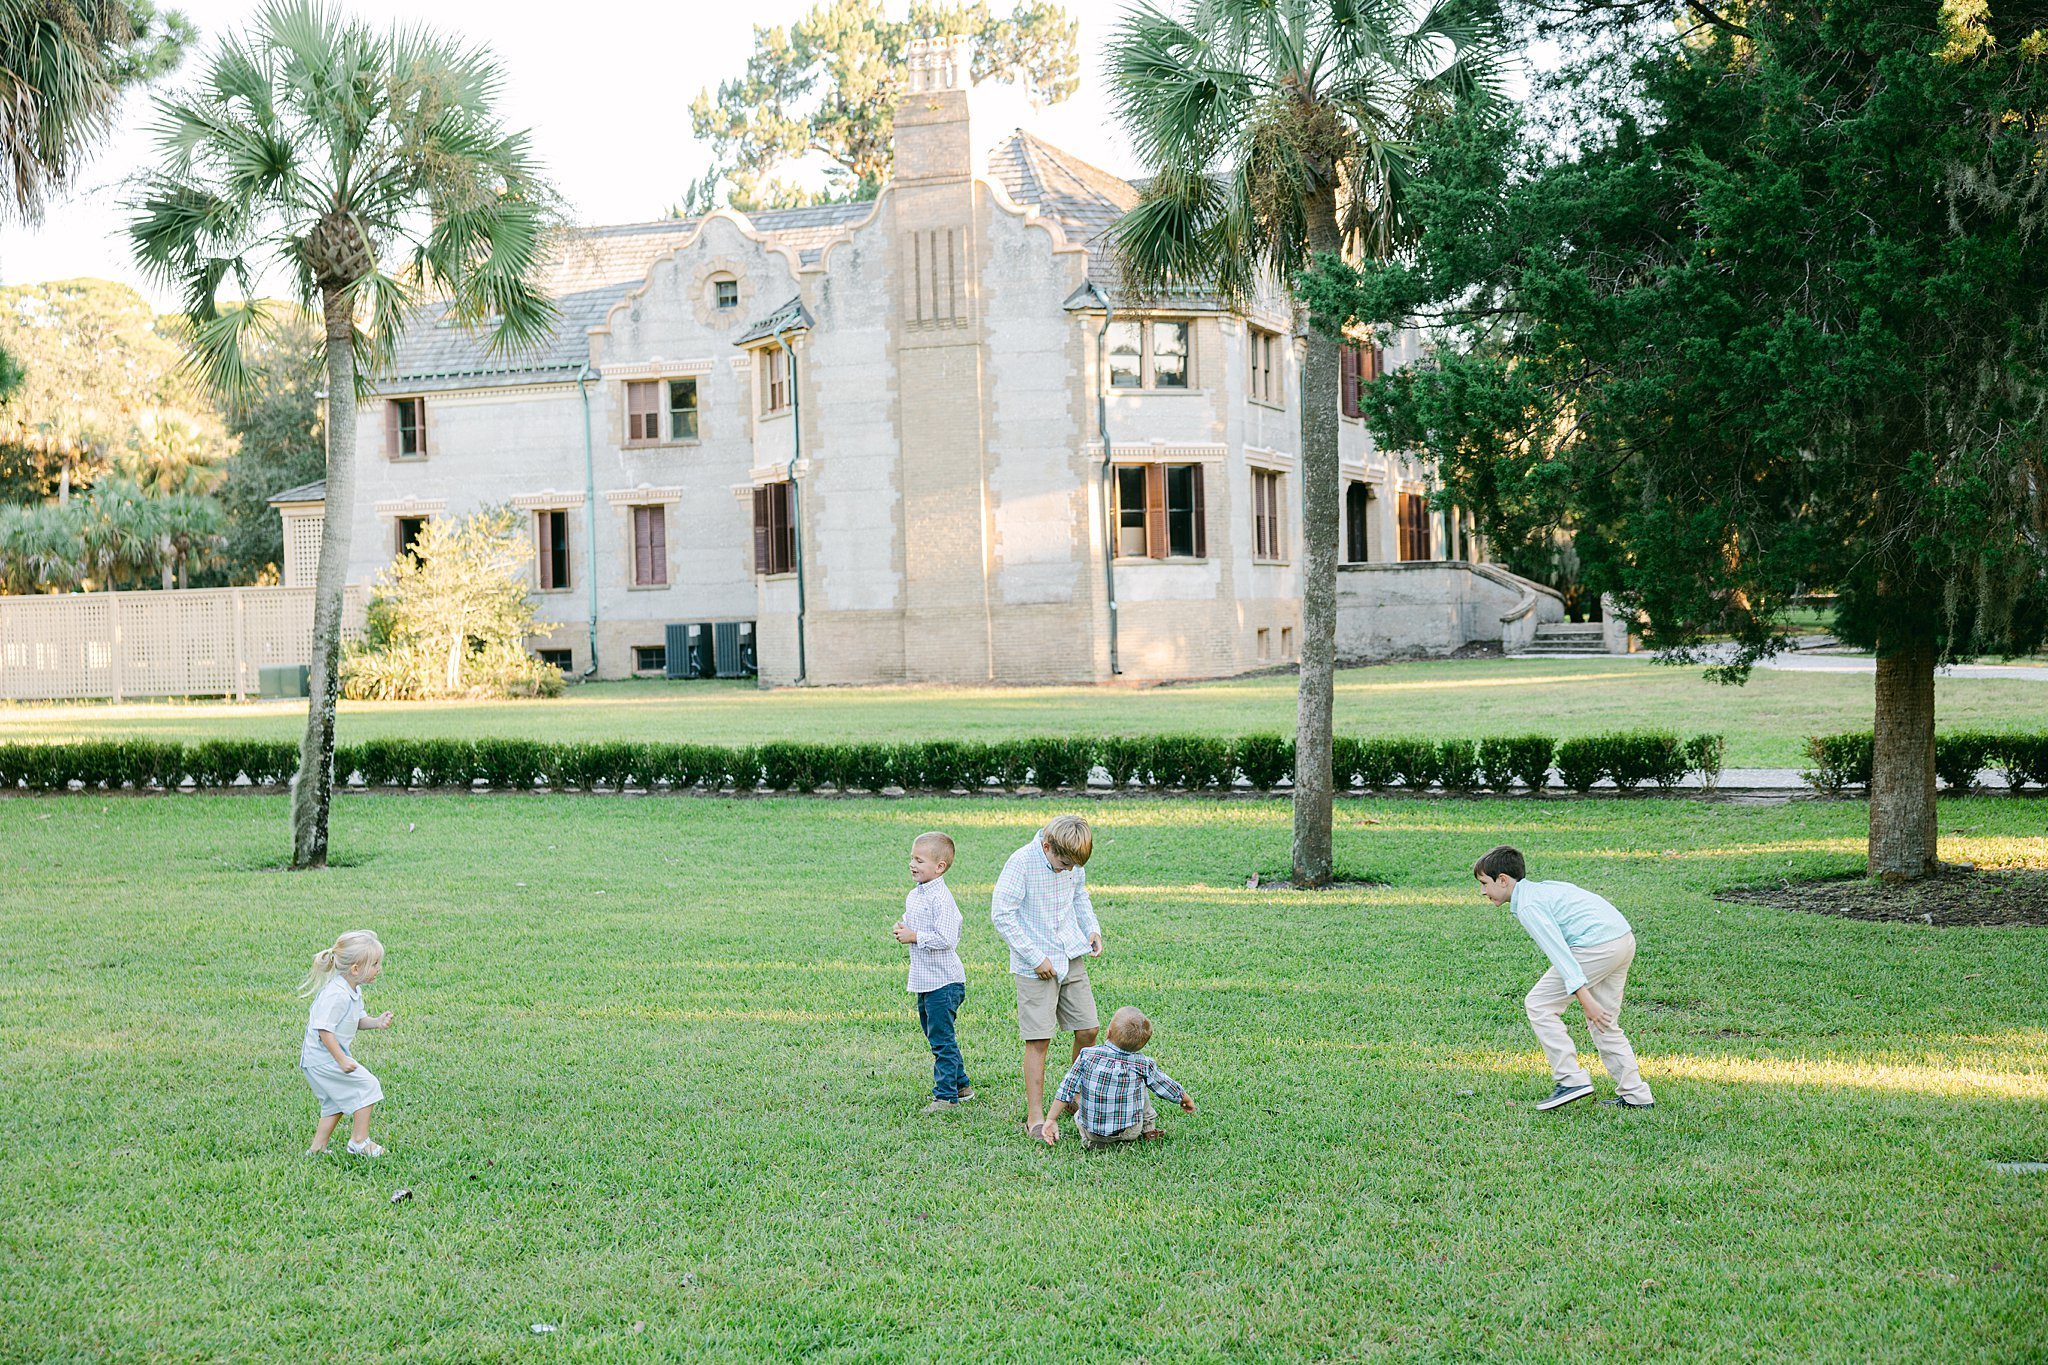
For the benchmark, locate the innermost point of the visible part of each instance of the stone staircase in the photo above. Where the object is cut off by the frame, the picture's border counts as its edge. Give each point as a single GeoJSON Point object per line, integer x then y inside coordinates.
{"type": "Point", "coordinates": [1560, 640]}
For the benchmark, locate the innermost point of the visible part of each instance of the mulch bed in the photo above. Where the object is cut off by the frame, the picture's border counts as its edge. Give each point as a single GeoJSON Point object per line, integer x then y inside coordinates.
{"type": "Point", "coordinates": [1952, 898]}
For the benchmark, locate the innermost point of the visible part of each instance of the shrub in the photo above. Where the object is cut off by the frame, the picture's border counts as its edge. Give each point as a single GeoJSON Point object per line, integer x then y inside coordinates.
{"type": "Point", "coordinates": [265, 762]}
{"type": "Point", "coordinates": [1265, 760]}
{"type": "Point", "coordinates": [1457, 765]}
{"type": "Point", "coordinates": [451, 618]}
{"type": "Point", "coordinates": [1191, 762]}
{"type": "Point", "coordinates": [1581, 763]}
{"type": "Point", "coordinates": [1056, 763]}
{"type": "Point", "coordinates": [1839, 761]}
{"type": "Point", "coordinates": [39, 767]}
{"type": "Point", "coordinates": [443, 762]}
{"type": "Point", "coordinates": [1413, 761]}
{"type": "Point", "coordinates": [1379, 762]}
{"type": "Point", "coordinates": [383, 762]}
{"type": "Point", "coordinates": [790, 767]}
{"type": "Point", "coordinates": [1636, 757]}
{"type": "Point", "coordinates": [1516, 758]}
{"type": "Point", "coordinates": [1347, 762]}
{"type": "Point", "coordinates": [2023, 759]}
{"type": "Point", "coordinates": [1959, 757]}
{"type": "Point", "coordinates": [1124, 759]}
{"type": "Point", "coordinates": [1704, 754]}
{"type": "Point", "coordinates": [511, 764]}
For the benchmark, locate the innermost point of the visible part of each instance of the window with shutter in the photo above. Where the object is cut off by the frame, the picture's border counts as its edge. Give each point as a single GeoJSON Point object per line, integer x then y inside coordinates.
{"type": "Point", "coordinates": [1416, 534]}
{"type": "Point", "coordinates": [1266, 503]}
{"type": "Point", "coordinates": [650, 546]}
{"type": "Point", "coordinates": [643, 416]}
{"type": "Point", "coordinates": [1348, 381]}
{"type": "Point", "coordinates": [408, 533]}
{"type": "Point", "coordinates": [774, 530]}
{"type": "Point", "coordinates": [1130, 511]}
{"type": "Point", "coordinates": [774, 381]}
{"type": "Point", "coordinates": [1155, 511]}
{"type": "Point", "coordinates": [405, 428]}
{"type": "Point", "coordinates": [1264, 380]}
{"type": "Point", "coordinates": [1357, 524]}
{"type": "Point", "coordinates": [551, 537]}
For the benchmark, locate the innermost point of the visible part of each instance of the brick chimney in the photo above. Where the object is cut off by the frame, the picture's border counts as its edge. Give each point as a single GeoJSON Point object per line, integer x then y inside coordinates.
{"type": "Point", "coordinates": [934, 136]}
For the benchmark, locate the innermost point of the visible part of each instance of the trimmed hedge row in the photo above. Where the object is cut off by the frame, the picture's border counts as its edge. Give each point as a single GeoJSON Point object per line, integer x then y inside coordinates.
{"type": "Point", "coordinates": [1845, 760]}
{"type": "Point", "coordinates": [1185, 762]}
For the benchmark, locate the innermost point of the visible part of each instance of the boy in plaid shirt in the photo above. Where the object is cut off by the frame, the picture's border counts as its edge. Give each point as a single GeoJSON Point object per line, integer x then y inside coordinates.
{"type": "Point", "coordinates": [1105, 1088]}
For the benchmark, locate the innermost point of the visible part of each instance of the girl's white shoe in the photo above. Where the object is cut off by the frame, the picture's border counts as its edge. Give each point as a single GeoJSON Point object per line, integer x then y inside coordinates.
{"type": "Point", "coordinates": [365, 1148]}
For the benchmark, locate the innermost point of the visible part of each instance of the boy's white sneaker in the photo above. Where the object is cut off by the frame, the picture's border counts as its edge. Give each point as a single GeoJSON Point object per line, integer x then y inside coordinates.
{"type": "Point", "coordinates": [1559, 1097]}
{"type": "Point", "coordinates": [365, 1148]}
{"type": "Point", "coordinates": [941, 1106]}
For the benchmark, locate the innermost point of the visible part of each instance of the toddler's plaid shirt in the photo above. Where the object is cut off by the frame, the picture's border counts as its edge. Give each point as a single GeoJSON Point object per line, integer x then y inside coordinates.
{"type": "Point", "coordinates": [1107, 1085]}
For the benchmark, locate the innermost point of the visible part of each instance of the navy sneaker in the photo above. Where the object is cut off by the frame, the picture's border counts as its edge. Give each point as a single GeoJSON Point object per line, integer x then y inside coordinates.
{"type": "Point", "coordinates": [1564, 1095]}
{"type": "Point", "coordinates": [1620, 1103]}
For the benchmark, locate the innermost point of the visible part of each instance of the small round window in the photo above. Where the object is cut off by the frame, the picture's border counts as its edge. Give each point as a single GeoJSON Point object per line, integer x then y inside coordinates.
{"type": "Point", "coordinates": [725, 293]}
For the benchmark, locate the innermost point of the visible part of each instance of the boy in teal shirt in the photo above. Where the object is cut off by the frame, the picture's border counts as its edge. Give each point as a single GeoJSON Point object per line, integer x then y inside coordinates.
{"type": "Point", "coordinates": [1590, 947]}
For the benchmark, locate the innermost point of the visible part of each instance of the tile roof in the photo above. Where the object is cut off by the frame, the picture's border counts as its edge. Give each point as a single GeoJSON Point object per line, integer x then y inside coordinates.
{"type": "Point", "coordinates": [595, 267]}
{"type": "Point", "coordinates": [315, 491]}
{"type": "Point", "coordinates": [592, 270]}
{"type": "Point", "coordinates": [1086, 200]}
{"type": "Point", "coordinates": [790, 317]}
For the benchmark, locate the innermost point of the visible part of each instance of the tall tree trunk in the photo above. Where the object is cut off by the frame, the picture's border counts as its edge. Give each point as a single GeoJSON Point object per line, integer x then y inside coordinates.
{"type": "Point", "coordinates": [1320, 503]}
{"type": "Point", "coordinates": [313, 787]}
{"type": "Point", "coordinates": [1902, 825]}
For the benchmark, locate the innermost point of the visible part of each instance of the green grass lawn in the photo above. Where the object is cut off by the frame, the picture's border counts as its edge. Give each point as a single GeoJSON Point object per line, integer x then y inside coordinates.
{"type": "Point", "coordinates": [1766, 721]}
{"type": "Point", "coordinates": [653, 1064]}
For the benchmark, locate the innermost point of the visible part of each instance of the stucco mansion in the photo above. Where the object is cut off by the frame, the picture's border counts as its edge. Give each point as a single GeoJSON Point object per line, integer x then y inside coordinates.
{"type": "Point", "coordinates": [871, 435]}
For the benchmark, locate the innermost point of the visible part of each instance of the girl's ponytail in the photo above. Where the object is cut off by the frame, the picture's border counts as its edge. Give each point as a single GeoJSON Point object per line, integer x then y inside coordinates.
{"type": "Point", "coordinates": [351, 948]}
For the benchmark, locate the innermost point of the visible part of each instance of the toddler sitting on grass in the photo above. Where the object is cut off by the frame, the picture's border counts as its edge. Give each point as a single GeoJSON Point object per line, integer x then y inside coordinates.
{"type": "Point", "coordinates": [1106, 1088]}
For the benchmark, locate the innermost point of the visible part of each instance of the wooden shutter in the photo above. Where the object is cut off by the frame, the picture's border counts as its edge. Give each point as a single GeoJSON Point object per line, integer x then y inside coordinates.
{"type": "Point", "coordinates": [657, 544]}
{"type": "Point", "coordinates": [1155, 511]}
{"type": "Point", "coordinates": [391, 429]}
{"type": "Point", "coordinates": [1348, 384]}
{"type": "Point", "coordinates": [419, 425]}
{"type": "Point", "coordinates": [544, 533]}
{"type": "Point", "coordinates": [761, 530]}
{"type": "Point", "coordinates": [1201, 515]}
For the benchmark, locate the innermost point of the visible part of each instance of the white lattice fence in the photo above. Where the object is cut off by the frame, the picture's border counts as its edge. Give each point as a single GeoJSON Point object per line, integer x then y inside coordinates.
{"type": "Point", "coordinates": [203, 642]}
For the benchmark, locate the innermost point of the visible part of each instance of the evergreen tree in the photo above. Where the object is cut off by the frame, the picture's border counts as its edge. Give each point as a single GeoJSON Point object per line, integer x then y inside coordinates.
{"type": "Point", "coordinates": [1756, 306]}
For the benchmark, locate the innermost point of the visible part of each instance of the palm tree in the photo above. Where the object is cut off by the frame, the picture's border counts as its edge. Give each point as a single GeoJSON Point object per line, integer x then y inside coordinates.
{"type": "Point", "coordinates": [1277, 131]}
{"type": "Point", "coordinates": [63, 66]}
{"type": "Point", "coordinates": [372, 170]}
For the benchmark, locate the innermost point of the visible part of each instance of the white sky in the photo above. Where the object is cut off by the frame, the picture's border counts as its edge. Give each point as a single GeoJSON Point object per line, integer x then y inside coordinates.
{"type": "Point", "coordinates": [606, 86]}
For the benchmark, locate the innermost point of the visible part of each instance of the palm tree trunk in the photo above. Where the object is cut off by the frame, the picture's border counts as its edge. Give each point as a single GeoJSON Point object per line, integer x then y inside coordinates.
{"type": "Point", "coordinates": [1903, 837]}
{"type": "Point", "coordinates": [313, 787]}
{"type": "Point", "coordinates": [1313, 785]}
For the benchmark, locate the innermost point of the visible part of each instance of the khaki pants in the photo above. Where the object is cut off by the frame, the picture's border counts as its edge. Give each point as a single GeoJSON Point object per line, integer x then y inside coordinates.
{"type": "Point", "coordinates": [1148, 1124]}
{"type": "Point", "coordinates": [1606, 969]}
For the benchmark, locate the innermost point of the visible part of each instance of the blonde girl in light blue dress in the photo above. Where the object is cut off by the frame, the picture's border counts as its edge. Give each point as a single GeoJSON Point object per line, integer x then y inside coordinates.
{"type": "Point", "coordinates": [341, 1083]}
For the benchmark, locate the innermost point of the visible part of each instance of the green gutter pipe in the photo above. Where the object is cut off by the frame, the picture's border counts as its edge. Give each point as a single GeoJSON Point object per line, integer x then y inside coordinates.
{"type": "Point", "coordinates": [590, 508]}
{"type": "Point", "coordinates": [796, 506]}
{"type": "Point", "coordinates": [1108, 467]}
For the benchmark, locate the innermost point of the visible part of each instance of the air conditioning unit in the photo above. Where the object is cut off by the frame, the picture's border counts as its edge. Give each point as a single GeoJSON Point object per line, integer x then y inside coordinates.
{"type": "Point", "coordinates": [733, 645]}
{"type": "Point", "coordinates": [689, 651]}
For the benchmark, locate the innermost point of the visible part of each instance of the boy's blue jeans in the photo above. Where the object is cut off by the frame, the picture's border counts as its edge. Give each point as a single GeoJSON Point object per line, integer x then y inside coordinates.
{"type": "Point", "coordinates": [935, 1011]}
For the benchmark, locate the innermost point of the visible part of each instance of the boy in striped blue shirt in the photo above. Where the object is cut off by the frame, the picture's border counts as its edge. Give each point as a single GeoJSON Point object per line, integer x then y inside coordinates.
{"type": "Point", "coordinates": [1590, 947]}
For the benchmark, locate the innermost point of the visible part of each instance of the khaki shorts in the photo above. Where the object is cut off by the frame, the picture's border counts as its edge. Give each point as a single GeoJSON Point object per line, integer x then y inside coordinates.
{"type": "Point", "coordinates": [1041, 1004]}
